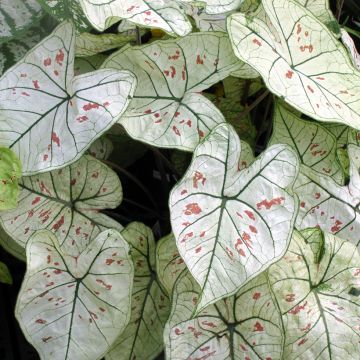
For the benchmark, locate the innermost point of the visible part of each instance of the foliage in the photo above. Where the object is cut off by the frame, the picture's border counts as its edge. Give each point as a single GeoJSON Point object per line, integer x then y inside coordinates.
{"type": "Point", "coordinates": [262, 259]}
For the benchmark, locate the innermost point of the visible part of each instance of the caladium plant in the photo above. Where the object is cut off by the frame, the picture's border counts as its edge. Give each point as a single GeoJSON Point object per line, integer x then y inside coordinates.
{"type": "Point", "coordinates": [233, 129]}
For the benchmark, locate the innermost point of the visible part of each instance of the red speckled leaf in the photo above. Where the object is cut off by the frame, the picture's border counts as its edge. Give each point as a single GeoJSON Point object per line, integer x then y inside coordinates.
{"type": "Point", "coordinates": [48, 117]}
{"type": "Point", "coordinates": [75, 307]}
{"type": "Point", "coordinates": [150, 306]}
{"type": "Point", "coordinates": [231, 224]}
{"type": "Point", "coordinates": [319, 300]}
{"type": "Point", "coordinates": [67, 202]}
{"type": "Point", "coordinates": [167, 109]}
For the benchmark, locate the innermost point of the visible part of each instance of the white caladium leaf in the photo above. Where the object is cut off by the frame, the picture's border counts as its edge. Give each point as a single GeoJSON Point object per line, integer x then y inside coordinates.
{"type": "Point", "coordinates": [167, 109]}
{"type": "Point", "coordinates": [329, 206]}
{"type": "Point", "coordinates": [315, 145]}
{"type": "Point", "coordinates": [217, 6]}
{"type": "Point", "coordinates": [42, 103]}
{"type": "Point", "coordinates": [349, 43]}
{"type": "Point", "coordinates": [150, 306]}
{"type": "Point", "coordinates": [319, 302]}
{"type": "Point", "coordinates": [75, 307]}
{"type": "Point", "coordinates": [89, 44]}
{"type": "Point", "coordinates": [231, 225]}
{"type": "Point", "coordinates": [16, 16]}
{"type": "Point", "coordinates": [166, 15]}
{"type": "Point", "coordinates": [67, 202]}
{"type": "Point", "coordinates": [306, 65]}
{"type": "Point", "coordinates": [101, 148]}
{"type": "Point", "coordinates": [169, 264]}
{"type": "Point", "coordinates": [63, 10]}
{"type": "Point", "coordinates": [244, 326]}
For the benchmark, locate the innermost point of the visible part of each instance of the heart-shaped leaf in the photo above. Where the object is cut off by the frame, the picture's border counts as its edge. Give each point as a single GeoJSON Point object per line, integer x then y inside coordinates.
{"type": "Point", "coordinates": [167, 109]}
{"type": "Point", "coordinates": [319, 302]}
{"type": "Point", "coordinates": [10, 173]}
{"type": "Point", "coordinates": [5, 276]}
{"type": "Point", "coordinates": [230, 225]}
{"type": "Point", "coordinates": [42, 103]}
{"type": "Point", "coordinates": [299, 60]}
{"type": "Point", "coordinates": [66, 10]}
{"type": "Point", "coordinates": [75, 307]}
{"type": "Point", "coordinates": [16, 16]}
{"type": "Point", "coordinates": [166, 15]}
{"type": "Point", "coordinates": [150, 307]}
{"type": "Point", "coordinates": [329, 206]}
{"type": "Point", "coordinates": [315, 145]}
{"type": "Point", "coordinates": [244, 326]}
{"type": "Point", "coordinates": [67, 202]}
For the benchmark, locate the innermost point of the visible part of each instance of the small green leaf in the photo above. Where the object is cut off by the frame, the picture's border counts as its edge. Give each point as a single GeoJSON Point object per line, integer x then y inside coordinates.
{"type": "Point", "coordinates": [5, 276]}
{"type": "Point", "coordinates": [75, 307]}
{"type": "Point", "coordinates": [10, 173]}
{"type": "Point", "coordinates": [231, 224]}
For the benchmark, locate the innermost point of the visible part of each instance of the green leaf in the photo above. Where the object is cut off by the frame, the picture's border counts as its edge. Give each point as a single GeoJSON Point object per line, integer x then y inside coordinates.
{"type": "Point", "coordinates": [329, 206]}
{"type": "Point", "coordinates": [63, 10]}
{"type": "Point", "coordinates": [75, 307]}
{"type": "Point", "coordinates": [319, 308]}
{"type": "Point", "coordinates": [150, 307]}
{"type": "Point", "coordinates": [5, 276]}
{"type": "Point", "coordinates": [10, 173]}
{"type": "Point", "coordinates": [89, 44]}
{"type": "Point", "coordinates": [299, 60]}
{"type": "Point", "coordinates": [67, 202]}
{"type": "Point", "coordinates": [166, 15]}
{"type": "Point", "coordinates": [230, 225]}
{"type": "Point", "coordinates": [101, 148]}
{"type": "Point", "coordinates": [83, 65]}
{"type": "Point", "coordinates": [42, 103]}
{"type": "Point", "coordinates": [244, 326]}
{"type": "Point", "coordinates": [315, 145]}
{"type": "Point", "coordinates": [167, 109]}
{"type": "Point", "coordinates": [16, 16]}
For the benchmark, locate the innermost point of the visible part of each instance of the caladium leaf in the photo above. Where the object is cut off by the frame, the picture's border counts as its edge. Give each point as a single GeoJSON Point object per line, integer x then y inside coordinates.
{"type": "Point", "coordinates": [75, 307]}
{"type": "Point", "coordinates": [101, 148]}
{"type": "Point", "coordinates": [83, 65]}
{"type": "Point", "coordinates": [150, 307]}
{"type": "Point", "coordinates": [166, 15]}
{"type": "Point", "coordinates": [231, 225]}
{"type": "Point", "coordinates": [10, 173]}
{"type": "Point", "coordinates": [16, 16]}
{"type": "Point", "coordinates": [66, 9]}
{"type": "Point", "coordinates": [319, 302]}
{"type": "Point", "coordinates": [315, 145]}
{"type": "Point", "coordinates": [306, 65]}
{"type": "Point", "coordinates": [217, 6]}
{"type": "Point", "coordinates": [167, 109]}
{"type": "Point", "coordinates": [321, 198]}
{"type": "Point", "coordinates": [42, 103]}
{"type": "Point", "coordinates": [89, 44]}
{"type": "Point", "coordinates": [67, 202]}
{"type": "Point", "coordinates": [349, 43]}
{"type": "Point", "coordinates": [5, 276]}
{"type": "Point", "coordinates": [244, 326]}
{"type": "Point", "coordinates": [169, 264]}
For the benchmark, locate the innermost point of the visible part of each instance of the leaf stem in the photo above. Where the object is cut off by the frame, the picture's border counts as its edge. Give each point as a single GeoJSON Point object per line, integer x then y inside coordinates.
{"type": "Point", "coordinates": [254, 104]}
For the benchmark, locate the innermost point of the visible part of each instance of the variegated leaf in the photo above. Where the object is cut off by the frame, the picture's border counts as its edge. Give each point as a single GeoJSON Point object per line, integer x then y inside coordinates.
{"type": "Point", "coordinates": [166, 15]}
{"type": "Point", "coordinates": [299, 60]}
{"type": "Point", "coordinates": [244, 326]}
{"type": "Point", "coordinates": [319, 301]}
{"type": "Point", "coordinates": [329, 206]}
{"type": "Point", "coordinates": [167, 109]}
{"type": "Point", "coordinates": [217, 6]}
{"type": "Point", "coordinates": [74, 307]}
{"type": "Point", "coordinates": [349, 43]}
{"type": "Point", "coordinates": [5, 276]}
{"type": "Point", "coordinates": [66, 9]}
{"type": "Point", "coordinates": [83, 65]}
{"type": "Point", "coordinates": [67, 202]}
{"type": "Point", "coordinates": [101, 148]}
{"type": "Point", "coordinates": [10, 173]}
{"type": "Point", "coordinates": [150, 307]}
{"type": "Point", "coordinates": [315, 145]}
{"type": "Point", "coordinates": [229, 224]}
{"type": "Point", "coordinates": [42, 103]}
{"type": "Point", "coordinates": [89, 44]}
{"type": "Point", "coordinates": [16, 16]}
